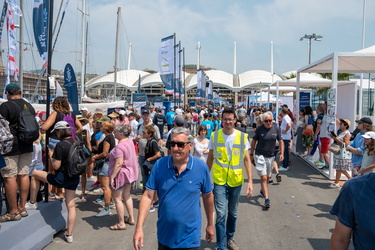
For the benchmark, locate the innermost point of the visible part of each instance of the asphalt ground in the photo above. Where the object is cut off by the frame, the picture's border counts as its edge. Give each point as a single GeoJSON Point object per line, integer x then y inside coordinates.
{"type": "Point", "coordinates": [297, 219]}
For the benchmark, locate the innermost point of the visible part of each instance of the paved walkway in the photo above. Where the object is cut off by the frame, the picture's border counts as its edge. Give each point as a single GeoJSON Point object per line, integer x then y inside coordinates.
{"type": "Point", "coordinates": [298, 218]}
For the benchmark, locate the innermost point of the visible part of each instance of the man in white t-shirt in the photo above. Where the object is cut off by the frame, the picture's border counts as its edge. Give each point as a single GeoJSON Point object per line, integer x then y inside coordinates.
{"type": "Point", "coordinates": [133, 125]}
{"type": "Point", "coordinates": [228, 153]}
{"type": "Point", "coordinates": [286, 135]}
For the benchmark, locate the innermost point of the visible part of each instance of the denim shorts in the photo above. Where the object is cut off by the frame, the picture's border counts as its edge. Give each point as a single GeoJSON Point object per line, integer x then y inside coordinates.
{"type": "Point", "coordinates": [60, 180]}
{"type": "Point", "coordinates": [104, 170]}
{"type": "Point", "coordinates": [52, 143]}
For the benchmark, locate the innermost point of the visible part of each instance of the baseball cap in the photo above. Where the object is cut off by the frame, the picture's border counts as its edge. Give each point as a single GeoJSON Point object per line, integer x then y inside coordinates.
{"type": "Point", "coordinates": [364, 120]}
{"type": "Point", "coordinates": [345, 120]}
{"type": "Point", "coordinates": [179, 111]}
{"type": "Point", "coordinates": [122, 112]}
{"type": "Point", "coordinates": [104, 119]}
{"type": "Point", "coordinates": [12, 86]}
{"type": "Point", "coordinates": [284, 106]}
{"type": "Point", "coordinates": [369, 135]}
{"type": "Point", "coordinates": [99, 111]}
{"type": "Point", "coordinates": [84, 109]}
{"type": "Point", "coordinates": [179, 120]}
{"type": "Point", "coordinates": [132, 114]}
{"type": "Point", "coordinates": [145, 111]}
{"type": "Point", "coordinates": [60, 125]}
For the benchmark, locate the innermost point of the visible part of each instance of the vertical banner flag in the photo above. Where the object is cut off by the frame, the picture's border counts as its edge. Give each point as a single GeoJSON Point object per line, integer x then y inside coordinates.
{"type": "Point", "coordinates": [216, 98]}
{"type": "Point", "coordinates": [2, 19]}
{"type": "Point", "coordinates": [209, 91]}
{"type": "Point", "coordinates": [177, 70]}
{"type": "Point", "coordinates": [12, 69]}
{"type": "Point", "coordinates": [166, 63]}
{"type": "Point", "coordinates": [40, 27]}
{"type": "Point", "coordinates": [181, 75]}
{"type": "Point", "coordinates": [203, 84]}
{"type": "Point", "coordinates": [70, 84]}
{"type": "Point", "coordinates": [200, 75]}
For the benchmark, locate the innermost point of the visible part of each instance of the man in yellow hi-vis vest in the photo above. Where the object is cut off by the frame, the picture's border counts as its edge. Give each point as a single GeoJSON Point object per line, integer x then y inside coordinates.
{"type": "Point", "coordinates": [229, 151]}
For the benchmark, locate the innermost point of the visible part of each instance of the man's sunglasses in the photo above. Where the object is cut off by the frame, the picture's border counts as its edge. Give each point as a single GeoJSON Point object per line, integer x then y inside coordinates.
{"type": "Point", "coordinates": [179, 144]}
{"type": "Point", "coordinates": [267, 120]}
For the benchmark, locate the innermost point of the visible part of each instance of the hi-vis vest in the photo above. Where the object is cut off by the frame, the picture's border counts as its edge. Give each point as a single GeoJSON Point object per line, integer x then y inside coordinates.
{"type": "Point", "coordinates": [227, 170]}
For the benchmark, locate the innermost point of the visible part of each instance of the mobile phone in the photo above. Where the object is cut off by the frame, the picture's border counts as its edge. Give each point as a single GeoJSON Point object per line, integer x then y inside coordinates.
{"type": "Point", "coordinates": [333, 134]}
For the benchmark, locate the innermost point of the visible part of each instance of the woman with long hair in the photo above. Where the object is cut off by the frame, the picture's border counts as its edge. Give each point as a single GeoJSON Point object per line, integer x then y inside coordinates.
{"type": "Point", "coordinates": [308, 130]}
{"type": "Point", "coordinates": [123, 171]}
{"type": "Point", "coordinates": [104, 148]}
{"type": "Point", "coordinates": [201, 144]}
{"type": "Point", "coordinates": [152, 154]}
{"type": "Point", "coordinates": [368, 164]}
{"type": "Point", "coordinates": [61, 109]}
{"type": "Point", "coordinates": [342, 163]}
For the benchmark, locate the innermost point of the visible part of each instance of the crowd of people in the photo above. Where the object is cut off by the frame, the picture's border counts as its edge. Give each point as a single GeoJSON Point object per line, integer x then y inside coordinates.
{"type": "Point", "coordinates": [198, 140]}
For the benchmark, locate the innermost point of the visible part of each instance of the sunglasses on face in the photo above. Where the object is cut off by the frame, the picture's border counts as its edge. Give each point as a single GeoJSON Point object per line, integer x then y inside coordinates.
{"type": "Point", "coordinates": [267, 120]}
{"type": "Point", "coordinates": [179, 144]}
{"type": "Point", "coordinates": [144, 132]}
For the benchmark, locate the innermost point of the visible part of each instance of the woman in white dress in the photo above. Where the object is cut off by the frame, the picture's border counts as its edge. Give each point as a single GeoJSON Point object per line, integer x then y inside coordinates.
{"type": "Point", "coordinates": [201, 144]}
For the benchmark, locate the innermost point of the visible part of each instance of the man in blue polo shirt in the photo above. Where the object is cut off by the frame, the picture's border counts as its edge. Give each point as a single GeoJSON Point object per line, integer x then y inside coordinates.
{"type": "Point", "coordinates": [179, 180]}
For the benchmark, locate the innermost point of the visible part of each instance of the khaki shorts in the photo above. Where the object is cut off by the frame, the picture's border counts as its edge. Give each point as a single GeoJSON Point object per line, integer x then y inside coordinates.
{"type": "Point", "coordinates": [264, 165]}
{"type": "Point", "coordinates": [16, 165]}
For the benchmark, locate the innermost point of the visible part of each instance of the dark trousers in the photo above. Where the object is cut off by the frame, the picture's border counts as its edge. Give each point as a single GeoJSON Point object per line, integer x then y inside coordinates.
{"type": "Point", "coordinates": [286, 153]}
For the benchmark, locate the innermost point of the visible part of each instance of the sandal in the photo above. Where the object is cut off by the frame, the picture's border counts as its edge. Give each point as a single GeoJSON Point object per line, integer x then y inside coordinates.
{"type": "Point", "coordinates": [10, 217]}
{"type": "Point", "coordinates": [117, 227]}
{"type": "Point", "coordinates": [128, 222]}
{"type": "Point", "coordinates": [83, 197]}
{"type": "Point", "coordinates": [23, 212]}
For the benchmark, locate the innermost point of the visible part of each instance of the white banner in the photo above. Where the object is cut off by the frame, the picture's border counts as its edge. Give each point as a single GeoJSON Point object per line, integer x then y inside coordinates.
{"type": "Point", "coordinates": [166, 56]}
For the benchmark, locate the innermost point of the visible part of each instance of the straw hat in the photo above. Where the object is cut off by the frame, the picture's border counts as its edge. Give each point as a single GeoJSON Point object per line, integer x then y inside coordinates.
{"type": "Point", "coordinates": [113, 115]}
{"type": "Point", "coordinates": [81, 118]}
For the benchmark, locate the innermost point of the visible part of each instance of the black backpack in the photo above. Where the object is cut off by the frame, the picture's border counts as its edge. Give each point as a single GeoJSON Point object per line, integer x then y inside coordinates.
{"type": "Point", "coordinates": [27, 127]}
{"type": "Point", "coordinates": [77, 160]}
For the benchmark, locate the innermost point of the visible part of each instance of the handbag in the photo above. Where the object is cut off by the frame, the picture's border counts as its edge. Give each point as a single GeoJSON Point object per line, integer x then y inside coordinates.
{"type": "Point", "coordinates": [147, 167]}
{"type": "Point", "coordinates": [335, 148]}
{"type": "Point", "coordinates": [345, 154]}
{"type": "Point", "coordinates": [98, 166]}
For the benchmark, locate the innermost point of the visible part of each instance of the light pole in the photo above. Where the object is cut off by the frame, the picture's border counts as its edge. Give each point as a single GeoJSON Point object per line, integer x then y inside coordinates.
{"type": "Point", "coordinates": [310, 37]}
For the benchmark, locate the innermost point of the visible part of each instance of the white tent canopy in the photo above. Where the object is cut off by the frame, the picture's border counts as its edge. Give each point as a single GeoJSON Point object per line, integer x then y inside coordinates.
{"type": "Point", "coordinates": [307, 79]}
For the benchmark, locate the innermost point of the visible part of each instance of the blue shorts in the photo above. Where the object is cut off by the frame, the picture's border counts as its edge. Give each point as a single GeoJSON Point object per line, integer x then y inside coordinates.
{"type": "Point", "coordinates": [104, 170]}
{"type": "Point", "coordinates": [59, 180]}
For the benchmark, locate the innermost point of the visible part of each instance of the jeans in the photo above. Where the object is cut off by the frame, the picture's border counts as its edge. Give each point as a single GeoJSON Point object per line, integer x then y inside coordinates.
{"type": "Point", "coordinates": [286, 153]}
{"type": "Point", "coordinates": [141, 160]}
{"type": "Point", "coordinates": [315, 146]}
{"type": "Point", "coordinates": [223, 195]}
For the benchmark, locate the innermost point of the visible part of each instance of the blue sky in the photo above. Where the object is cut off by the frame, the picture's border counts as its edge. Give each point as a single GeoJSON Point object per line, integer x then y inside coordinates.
{"type": "Point", "coordinates": [253, 24]}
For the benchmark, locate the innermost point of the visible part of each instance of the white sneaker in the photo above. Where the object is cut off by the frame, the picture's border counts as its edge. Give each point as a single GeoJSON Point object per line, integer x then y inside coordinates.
{"type": "Point", "coordinates": [68, 238]}
{"type": "Point", "coordinates": [31, 206]}
{"type": "Point", "coordinates": [283, 169]}
{"type": "Point", "coordinates": [104, 213]}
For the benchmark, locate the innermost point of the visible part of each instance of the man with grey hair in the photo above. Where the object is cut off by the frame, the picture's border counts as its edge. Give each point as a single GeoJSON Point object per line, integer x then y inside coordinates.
{"type": "Point", "coordinates": [179, 180]}
{"type": "Point", "coordinates": [263, 143]}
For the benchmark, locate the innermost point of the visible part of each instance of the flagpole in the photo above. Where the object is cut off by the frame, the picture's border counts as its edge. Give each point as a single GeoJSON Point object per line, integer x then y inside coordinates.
{"type": "Point", "coordinates": [183, 71]}
{"type": "Point", "coordinates": [174, 69]}
{"type": "Point", "coordinates": [21, 48]}
{"type": "Point", "coordinates": [49, 67]}
{"type": "Point", "coordinates": [116, 47]}
{"type": "Point", "coordinates": [83, 49]}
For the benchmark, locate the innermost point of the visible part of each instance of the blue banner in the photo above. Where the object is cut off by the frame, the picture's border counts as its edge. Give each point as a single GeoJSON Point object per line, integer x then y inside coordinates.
{"type": "Point", "coordinates": [139, 97]}
{"type": "Point", "coordinates": [304, 100]}
{"type": "Point", "coordinates": [2, 19]}
{"type": "Point", "coordinates": [158, 99]}
{"type": "Point", "coordinates": [40, 27]}
{"type": "Point", "coordinates": [70, 84]}
{"type": "Point", "coordinates": [166, 63]}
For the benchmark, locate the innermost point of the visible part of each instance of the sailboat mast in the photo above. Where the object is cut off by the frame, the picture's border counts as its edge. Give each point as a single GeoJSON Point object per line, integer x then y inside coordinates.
{"type": "Point", "coordinates": [116, 47]}
{"type": "Point", "coordinates": [21, 48]}
{"type": "Point", "coordinates": [83, 49]}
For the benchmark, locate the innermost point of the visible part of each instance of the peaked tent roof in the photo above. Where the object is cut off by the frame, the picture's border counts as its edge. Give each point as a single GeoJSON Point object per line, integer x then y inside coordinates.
{"type": "Point", "coordinates": [307, 80]}
{"type": "Point", "coordinates": [361, 61]}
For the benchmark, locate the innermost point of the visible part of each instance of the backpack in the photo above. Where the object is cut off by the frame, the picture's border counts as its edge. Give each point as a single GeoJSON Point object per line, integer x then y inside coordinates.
{"type": "Point", "coordinates": [27, 128]}
{"type": "Point", "coordinates": [160, 149]}
{"type": "Point", "coordinates": [6, 137]}
{"type": "Point", "coordinates": [195, 117]}
{"type": "Point", "coordinates": [77, 159]}
{"type": "Point", "coordinates": [69, 119]}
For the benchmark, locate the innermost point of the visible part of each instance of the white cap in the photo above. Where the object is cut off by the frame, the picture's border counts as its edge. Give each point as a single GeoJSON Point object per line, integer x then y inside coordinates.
{"type": "Point", "coordinates": [85, 109]}
{"type": "Point", "coordinates": [178, 112]}
{"type": "Point", "coordinates": [369, 135]}
{"type": "Point", "coordinates": [60, 125]}
{"type": "Point", "coordinates": [122, 112]}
